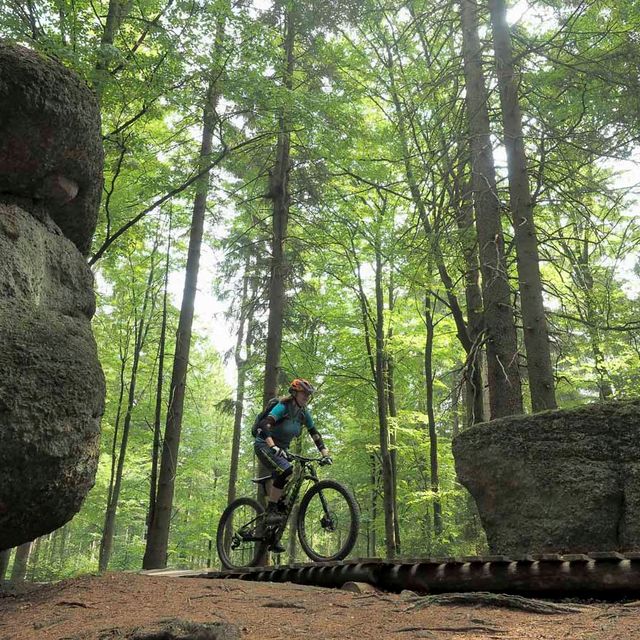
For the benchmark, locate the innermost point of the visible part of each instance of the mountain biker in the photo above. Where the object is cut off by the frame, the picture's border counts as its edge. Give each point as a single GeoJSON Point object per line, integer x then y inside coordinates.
{"type": "Point", "coordinates": [274, 435]}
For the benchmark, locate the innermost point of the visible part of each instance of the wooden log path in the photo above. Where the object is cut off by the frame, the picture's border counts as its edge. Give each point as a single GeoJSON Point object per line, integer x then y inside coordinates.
{"type": "Point", "coordinates": [599, 574]}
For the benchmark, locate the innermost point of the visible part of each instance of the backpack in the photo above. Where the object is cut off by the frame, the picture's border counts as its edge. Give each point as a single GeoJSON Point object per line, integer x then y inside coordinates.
{"type": "Point", "coordinates": [263, 414]}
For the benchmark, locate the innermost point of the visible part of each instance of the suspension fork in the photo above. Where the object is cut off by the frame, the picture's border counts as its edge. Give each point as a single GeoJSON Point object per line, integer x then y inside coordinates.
{"type": "Point", "coordinates": [312, 475]}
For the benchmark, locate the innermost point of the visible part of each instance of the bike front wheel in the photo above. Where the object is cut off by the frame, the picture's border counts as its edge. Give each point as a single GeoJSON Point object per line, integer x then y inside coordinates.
{"type": "Point", "coordinates": [240, 539]}
{"type": "Point", "coordinates": [328, 521]}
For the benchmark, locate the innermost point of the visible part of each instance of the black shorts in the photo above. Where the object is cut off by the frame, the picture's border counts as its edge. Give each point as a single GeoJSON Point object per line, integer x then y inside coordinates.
{"type": "Point", "coordinates": [277, 464]}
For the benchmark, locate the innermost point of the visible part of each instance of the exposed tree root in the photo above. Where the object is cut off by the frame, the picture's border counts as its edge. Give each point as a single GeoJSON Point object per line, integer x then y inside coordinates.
{"type": "Point", "coordinates": [482, 598]}
{"type": "Point", "coordinates": [467, 629]}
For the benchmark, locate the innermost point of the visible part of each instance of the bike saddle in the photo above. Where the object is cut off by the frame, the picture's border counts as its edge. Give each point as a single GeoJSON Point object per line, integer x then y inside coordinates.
{"type": "Point", "coordinates": [262, 480]}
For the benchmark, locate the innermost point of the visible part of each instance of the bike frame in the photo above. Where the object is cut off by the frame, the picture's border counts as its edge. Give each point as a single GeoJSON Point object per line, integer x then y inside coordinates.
{"type": "Point", "coordinates": [304, 471]}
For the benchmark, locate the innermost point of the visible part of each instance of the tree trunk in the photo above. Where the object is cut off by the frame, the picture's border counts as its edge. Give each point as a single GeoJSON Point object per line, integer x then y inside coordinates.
{"type": "Point", "coordinates": [280, 197]}
{"type": "Point", "coordinates": [583, 278]}
{"type": "Point", "coordinates": [140, 332]}
{"type": "Point", "coordinates": [5, 556]}
{"type": "Point", "coordinates": [155, 556]}
{"type": "Point", "coordinates": [52, 545]}
{"type": "Point", "coordinates": [502, 349]}
{"type": "Point", "coordinates": [241, 367]}
{"type": "Point", "coordinates": [20, 561]}
{"type": "Point", "coordinates": [279, 194]}
{"type": "Point", "coordinates": [371, 538]}
{"type": "Point", "coordinates": [433, 436]}
{"type": "Point", "coordinates": [246, 316]}
{"type": "Point", "coordinates": [381, 391]}
{"type": "Point", "coordinates": [35, 557]}
{"type": "Point", "coordinates": [157, 421]}
{"type": "Point", "coordinates": [65, 534]}
{"type": "Point", "coordinates": [536, 336]}
{"type": "Point", "coordinates": [473, 374]}
{"type": "Point", "coordinates": [455, 407]}
{"type": "Point", "coordinates": [124, 357]}
{"type": "Point", "coordinates": [393, 414]}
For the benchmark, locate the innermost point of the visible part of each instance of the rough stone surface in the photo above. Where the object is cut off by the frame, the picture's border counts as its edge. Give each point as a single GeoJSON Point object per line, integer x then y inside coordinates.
{"type": "Point", "coordinates": [557, 481]}
{"type": "Point", "coordinates": [50, 142]}
{"type": "Point", "coordinates": [51, 385]}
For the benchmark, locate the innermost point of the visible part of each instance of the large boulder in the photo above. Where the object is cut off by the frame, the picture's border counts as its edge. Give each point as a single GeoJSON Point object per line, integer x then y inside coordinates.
{"type": "Point", "coordinates": [51, 385]}
{"type": "Point", "coordinates": [557, 481]}
{"type": "Point", "coordinates": [50, 143]}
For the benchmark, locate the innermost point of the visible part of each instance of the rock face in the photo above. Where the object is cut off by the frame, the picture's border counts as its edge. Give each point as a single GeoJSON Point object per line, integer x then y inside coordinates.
{"type": "Point", "coordinates": [557, 481]}
{"type": "Point", "coordinates": [51, 385]}
{"type": "Point", "coordinates": [50, 143]}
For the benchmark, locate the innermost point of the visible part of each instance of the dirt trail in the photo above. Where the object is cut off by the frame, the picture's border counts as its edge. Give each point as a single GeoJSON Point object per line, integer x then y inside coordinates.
{"type": "Point", "coordinates": [114, 605]}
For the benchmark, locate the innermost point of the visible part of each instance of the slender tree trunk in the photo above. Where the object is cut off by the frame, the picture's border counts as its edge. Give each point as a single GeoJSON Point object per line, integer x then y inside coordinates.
{"type": "Point", "coordinates": [433, 435]}
{"type": "Point", "coordinates": [52, 545]}
{"type": "Point", "coordinates": [455, 407]}
{"type": "Point", "coordinates": [371, 540]}
{"type": "Point", "coordinates": [246, 320]}
{"type": "Point", "coordinates": [393, 452]}
{"type": "Point", "coordinates": [20, 561]}
{"type": "Point", "coordinates": [5, 556]}
{"type": "Point", "coordinates": [373, 322]}
{"type": "Point", "coordinates": [65, 534]}
{"type": "Point", "coordinates": [473, 374]}
{"type": "Point", "coordinates": [393, 414]}
{"type": "Point", "coordinates": [246, 317]}
{"type": "Point", "coordinates": [583, 278]}
{"type": "Point", "coordinates": [116, 427]}
{"type": "Point", "coordinates": [35, 557]}
{"type": "Point", "coordinates": [157, 421]}
{"type": "Point", "coordinates": [158, 540]}
{"type": "Point", "coordinates": [280, 197]}
{"type": "Point", "coordinates": [502, 348]}
{"type": "Point", "coordinates": [536, 335]}
{"type": "Point", "coordinates": [279, 194]}
{"type": "Point", "coordinates": [381, 390]}
{"type": "Point", "coordinates": [108, 531]}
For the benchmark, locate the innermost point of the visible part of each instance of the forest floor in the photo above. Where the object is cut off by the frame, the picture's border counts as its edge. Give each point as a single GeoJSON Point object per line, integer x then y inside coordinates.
{"type": "Point", "coordinates": [119, 605]}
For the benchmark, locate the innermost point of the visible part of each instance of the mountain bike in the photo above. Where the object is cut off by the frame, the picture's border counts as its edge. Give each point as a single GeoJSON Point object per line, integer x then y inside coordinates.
{"type": "Point", "coordinates": [327, 521]}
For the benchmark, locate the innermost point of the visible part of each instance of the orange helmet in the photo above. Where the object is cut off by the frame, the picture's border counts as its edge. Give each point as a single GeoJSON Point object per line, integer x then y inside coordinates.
{"type": "Point", "coordinates": [300, 384]}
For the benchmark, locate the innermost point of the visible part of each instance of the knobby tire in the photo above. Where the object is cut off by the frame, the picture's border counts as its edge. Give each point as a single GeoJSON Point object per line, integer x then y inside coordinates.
{"type": "Point", "coordinates": [354, 524]}
{"type": "Point", "coordinates": [227, 516]}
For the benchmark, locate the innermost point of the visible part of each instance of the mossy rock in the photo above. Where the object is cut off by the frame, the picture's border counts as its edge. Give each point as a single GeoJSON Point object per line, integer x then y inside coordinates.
{"type": "Point", "coordinates": [556, 481]}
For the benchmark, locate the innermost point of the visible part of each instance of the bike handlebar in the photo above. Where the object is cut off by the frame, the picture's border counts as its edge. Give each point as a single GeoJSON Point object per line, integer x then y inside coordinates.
{"type": "Point", "coordinates": [295, 456]}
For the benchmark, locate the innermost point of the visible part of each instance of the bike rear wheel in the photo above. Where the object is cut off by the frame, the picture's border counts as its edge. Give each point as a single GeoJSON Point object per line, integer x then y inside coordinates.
{"type": "Point", "coordinates": [239, 538]}
{"type": "Point", "coordinates": [328, 521]}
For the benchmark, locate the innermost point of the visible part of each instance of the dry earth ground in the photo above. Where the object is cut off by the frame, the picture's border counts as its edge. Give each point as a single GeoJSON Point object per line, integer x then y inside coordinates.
{"type": "Point", "coordinates": [115, 605]}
